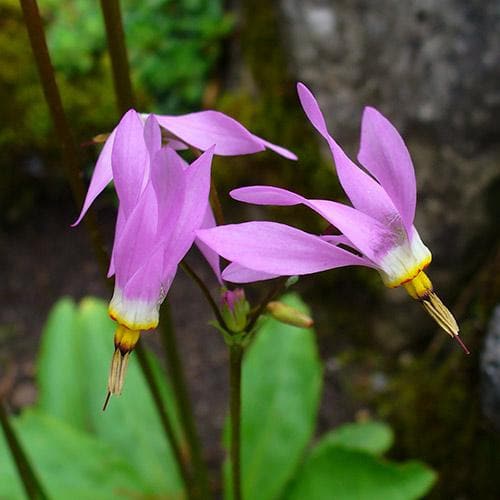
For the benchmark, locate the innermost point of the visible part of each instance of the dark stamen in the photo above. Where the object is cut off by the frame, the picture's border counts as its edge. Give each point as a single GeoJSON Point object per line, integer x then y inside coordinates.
{"type": "Point", "coordinates": [108, 396]}
{"type": "Point", "coordinates": [462, 345]}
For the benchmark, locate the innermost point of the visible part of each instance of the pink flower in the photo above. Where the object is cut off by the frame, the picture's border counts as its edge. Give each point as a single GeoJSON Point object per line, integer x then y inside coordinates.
{"type": "Point", "coordinates": [377, 231]}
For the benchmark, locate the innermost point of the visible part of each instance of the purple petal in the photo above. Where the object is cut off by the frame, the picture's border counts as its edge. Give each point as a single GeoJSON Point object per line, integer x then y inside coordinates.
{"type": "Point", "coordinates": [277, 149]}
{"type": "Point", "coordinates": [384, 154]}
{"type": "Point", "coordinates": [129, 160]}
{"type": "Point", "coordinates": [211, 256]}
{"type": "Point", "coordinates": [276, 248]}
{"type": "Point", "coordinates": [101, 177]}
{"type": "Point", "coordinates": [193, 210]}
{"type": "Point", "coordinates": [365, 193]}
{"type": "Point", "coordinates": [138, 239]}
{"type": "Point", "coordinates": [336, 239]}
{"type": "Point", "coordinates": [370, 237]}
{"type": "Point", "coordinates": [152, 136]}
{"type": "Point", "coordinates": [169, 183]}
{"type": "Point", "coordinates": [236, 273]}
{"type": "Point", "coordinates": [145, 284]}
{"type": "Point", "coordinates": [206, 128]}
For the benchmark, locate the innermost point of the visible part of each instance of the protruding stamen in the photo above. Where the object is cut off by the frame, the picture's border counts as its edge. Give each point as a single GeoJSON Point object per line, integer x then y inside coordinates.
{"type": "Point", "coordinates": [125, 341]}
{"type": "Point", "coordinates": [461, 344]}
{"type": "Point", "coordinates": [440, 313]}
{"type": "Point", "coordinates": [420, 288]}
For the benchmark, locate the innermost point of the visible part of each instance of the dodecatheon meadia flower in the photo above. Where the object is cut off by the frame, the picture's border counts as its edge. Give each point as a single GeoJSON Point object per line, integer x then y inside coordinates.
{"type": "Point", "coordinates": [162, 201]}
{"type": "Point", "coordinates": [377, 231]}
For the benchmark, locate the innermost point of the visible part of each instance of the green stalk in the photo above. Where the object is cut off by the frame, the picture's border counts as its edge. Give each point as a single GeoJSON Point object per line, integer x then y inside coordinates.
{"type": "Point", "coordinates": [118, 54]}
{"type": "Point", "coordinates": [32, 486]}
{"type": "Point", "coordinates": [70, 151]}
{"type": "Point", "coordinates": [178, 380]}
{"type": "Point", "coordinates": [165, 419]}
{"type": "Point", "coordinates": [235, 363]}
{"type": "Point", "coordinates": [70, 154]}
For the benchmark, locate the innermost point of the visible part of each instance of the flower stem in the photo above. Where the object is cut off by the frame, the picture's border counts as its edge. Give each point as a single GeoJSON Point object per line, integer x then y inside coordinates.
{"type": "Point", "coordinates": [118, 55]}
{"type": "Point", "coordinates": [32, 486]}
{"type": "Point", "coordinates": [235, 363]}
{"type": "Point", "coordinates": [206, 292]}
{"type": "Point", "coordinates": [165, 419]}
{"type": "Point", "coordinates": [70, 152]}
{"type": "Point", "coordinates": [178, 381]}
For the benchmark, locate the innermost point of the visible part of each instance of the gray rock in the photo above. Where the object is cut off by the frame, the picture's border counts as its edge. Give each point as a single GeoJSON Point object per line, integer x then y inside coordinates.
{"type": "Point", "coordinates": [429, 62]}
{"type": "Point", "coordinates": [490, 370]}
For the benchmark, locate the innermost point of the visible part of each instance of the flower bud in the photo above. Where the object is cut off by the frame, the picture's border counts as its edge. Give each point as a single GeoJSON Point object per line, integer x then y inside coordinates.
{"type": "Point", "coordinates": [289, 315]}
{"type": "Point", "coordinates": [235, 309]}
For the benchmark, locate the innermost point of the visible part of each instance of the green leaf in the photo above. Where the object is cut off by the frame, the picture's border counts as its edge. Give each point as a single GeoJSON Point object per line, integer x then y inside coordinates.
{"type": "Point", "coordinates": [60, 393]}
{"type": "Point", "coordinates": [281, 389]}
{"type": "Point", "coordinates": [79, 370]}
{"type": "Point", "coordinates": [70, 464]}
{"type": "Point", "coordinates": [371, 437]}
{"type": "Point", "coordinates": [346, 474]}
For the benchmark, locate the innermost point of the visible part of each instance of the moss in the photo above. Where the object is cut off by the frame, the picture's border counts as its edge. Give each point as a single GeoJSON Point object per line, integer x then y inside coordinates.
{"type": "Point", "coordinates": [434, 407]}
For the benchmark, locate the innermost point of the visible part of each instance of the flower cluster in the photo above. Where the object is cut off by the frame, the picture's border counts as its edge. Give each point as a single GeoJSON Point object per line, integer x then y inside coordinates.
{"type": "Point", "coordinates": [164, 209]}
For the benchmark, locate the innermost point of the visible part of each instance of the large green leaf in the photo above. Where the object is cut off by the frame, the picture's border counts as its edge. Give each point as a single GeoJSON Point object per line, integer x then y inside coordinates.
{"type": "Point", "coordinates": [338, 473]}
{"type": "Point", "coordinates": [60, 393]}
{"type": "Point", "coordinates": [371, 437]}
{"type": "Point", "coordinates": [281, 389]}
{"type": "Point", "coordinates": [69, 463]}
{"type": "Point", "coordinates": [73, 367]}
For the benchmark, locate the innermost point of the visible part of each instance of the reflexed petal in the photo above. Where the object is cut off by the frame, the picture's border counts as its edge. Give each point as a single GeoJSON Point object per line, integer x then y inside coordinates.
{"type": "Point", "coordinates": [236, 273]}
{"type": "Point", "coordinates": [206, 128]}
{"type": "Point", "coordinates": [365, 193]}
{"type": "Point", "coordinates": [138, 238]}
{"type": "Point", "coordinates": [194, 208]}
{"type": "Point", "coordinates": [120, 223]}
{"type": "Point", "coordinates": [136, 305]}
{"type": "Point", "coordinates": [129, 160]}
{"type": "Point", "coordinates": [276, 248]}
{"type": "Point", "coordinates": [145, 283]}
{"type": "Point", "coordinates": [336, 239]}
{"type": "Point", "coordinates": [384, 154]}
{"type": "Point", "coordinates": [169, 182]}
{"type": "Point", "coordinates": [152, 136]}
{"type": "Point", "coordinates": [101, 177]}
{"type": "Point", "coordinates": [277, 149]}
{"type": "Point", "coordinates": [211, 256]}
{"type": "Point", "coordinates": [369, 236]}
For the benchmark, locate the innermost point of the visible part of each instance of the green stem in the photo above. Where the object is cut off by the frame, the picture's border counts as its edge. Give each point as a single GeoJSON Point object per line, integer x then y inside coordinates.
{"type": "Point", "coordinates": [206, 292]}
{"type": "Point", "coordinates": [235, 362]}
{"type": "Point", "coordinates": [32, 486]}
{"type": "Point", "coordinates": [118, 54]}
{"type": "Point", "coordinates": [165, 419]}
{"type": "Point", "coordinates": [178, 380]}
{"type": "Point", "coordinates": [216, 204]}
{"type": "Point", "coordinates": [70, 152]}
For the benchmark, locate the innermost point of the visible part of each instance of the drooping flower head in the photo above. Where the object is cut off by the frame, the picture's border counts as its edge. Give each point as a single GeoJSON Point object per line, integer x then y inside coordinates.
{"type": "Point", "coordinates": [162, 201]}
{"type": "Point", "coordinates": [377, 231]}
